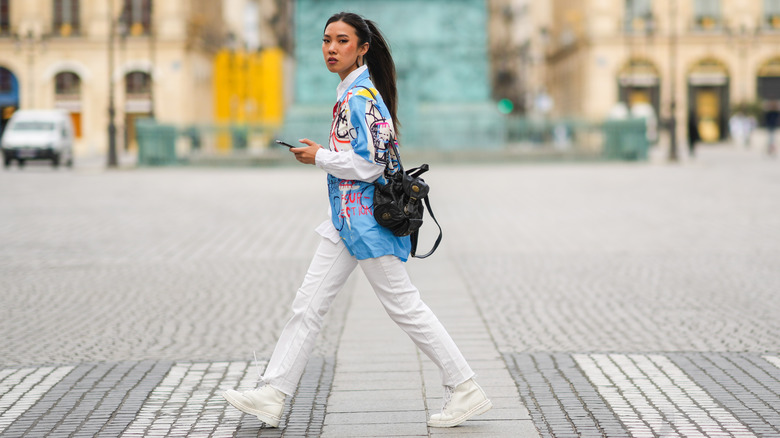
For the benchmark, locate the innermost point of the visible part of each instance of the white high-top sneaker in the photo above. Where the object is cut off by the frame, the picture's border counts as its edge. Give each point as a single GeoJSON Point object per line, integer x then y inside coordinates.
{"type": "Point", "coordinates": [460, 404]}
{"type": "Point", "coordinates": [266, 403]}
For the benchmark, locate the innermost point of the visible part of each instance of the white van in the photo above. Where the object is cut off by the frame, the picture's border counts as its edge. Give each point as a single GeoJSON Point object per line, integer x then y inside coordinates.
{"type": "Point", "coordinates": [38, 135]}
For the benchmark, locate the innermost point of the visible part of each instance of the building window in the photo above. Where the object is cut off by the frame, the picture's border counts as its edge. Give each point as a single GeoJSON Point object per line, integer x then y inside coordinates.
{"type": "Point", "coordinates": [67, 86]}
{"type": "Point", "coordinates": [772, 14]}
{"type": "Point", "coordinates": [707, 14]}
{"type": "Point", "coordinates": [66, 17]}
{"type": "Point", "coordinates": [138, 85]}
{"type": "Point", "coordinates": [6, 81]}
{"type": "Point", "coordinates": [5, 17]}
{"type": "Point", "coordinates": [768, 86]}
{"type": "Point", "coordinates": [137, 16]}
{"type": "Point", "coordinates": [639, 16]}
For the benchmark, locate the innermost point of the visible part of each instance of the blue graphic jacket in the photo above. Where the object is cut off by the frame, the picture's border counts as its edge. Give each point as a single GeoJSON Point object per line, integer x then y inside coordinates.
{"type": "Point", "coordinates": [363, 125]}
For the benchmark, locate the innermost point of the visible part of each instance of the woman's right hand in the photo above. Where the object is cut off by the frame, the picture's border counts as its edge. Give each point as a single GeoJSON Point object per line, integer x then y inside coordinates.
{"type": "Point", "coordinates": [308, 154]}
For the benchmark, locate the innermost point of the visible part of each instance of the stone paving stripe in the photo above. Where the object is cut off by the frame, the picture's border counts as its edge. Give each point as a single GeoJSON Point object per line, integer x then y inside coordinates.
{"type": "Point", "coordinates": [610, 391]}
{"type": "Point", "coordinates": [620, 395]}
{"type": "Point", "coordinates": [236, 376]}
{"type": "Point", "coordinates": [5, 373]}
{"type": "Point", "coordinates": [774, 360]}
{"type": "Point", "coordinates": [561, 400]}
{"type": "Point", "coordinates": [651, 395]}
{"type": "Point", "coordinates": [744, 384]}
{"type": "Point", "coordinates": [715, 410]}
{"type": "Point", "coordinates": [181, 400]}
{"type": "Point", "coordinates": [763, 381]}
{"type": "Point", "coordinates": [188, 402]}
{"type": "Point", "coordinates": [51, 409]}
{"type": "Point", "coordinates": [27, 386]}
{"type": "Point", "coordinates": [592, 415]}
{"type": "Point", "coordinates": [97, 399]}
{"type": "Point", "coordinates": [672, 403]}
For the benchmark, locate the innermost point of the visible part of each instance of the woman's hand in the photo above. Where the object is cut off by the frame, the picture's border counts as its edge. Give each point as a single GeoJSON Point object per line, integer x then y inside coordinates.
{"type": "Point", "coordinates": [306, 155]}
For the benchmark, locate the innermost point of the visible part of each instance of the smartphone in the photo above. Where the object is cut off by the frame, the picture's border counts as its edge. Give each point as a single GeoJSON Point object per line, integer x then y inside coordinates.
{"type": "Point", "coordinates": [285, 144]}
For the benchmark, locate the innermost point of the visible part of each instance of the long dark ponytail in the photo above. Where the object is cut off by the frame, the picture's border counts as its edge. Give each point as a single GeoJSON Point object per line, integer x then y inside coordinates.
{"type": "Point", "coordinates": [378, 58]}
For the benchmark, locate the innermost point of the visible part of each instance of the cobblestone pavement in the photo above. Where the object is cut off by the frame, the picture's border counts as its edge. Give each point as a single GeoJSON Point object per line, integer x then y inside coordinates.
{"type": "Point", "coordinates": [623, 299]}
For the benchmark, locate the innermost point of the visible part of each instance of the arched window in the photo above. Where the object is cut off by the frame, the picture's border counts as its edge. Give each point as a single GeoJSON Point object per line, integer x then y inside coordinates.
{"type": "Point", "coordinates": [138, 84]}
{"type": "Point", "coordinates": [137, 16]}
{"type": "Point", "coordinates": [67, 86]}
{"type": "Point", "coordinates": [6, 81]}
{"type": "Point", "coordinates": [67, 96]}
{"type": "Point", "coordinates": [66, 17]}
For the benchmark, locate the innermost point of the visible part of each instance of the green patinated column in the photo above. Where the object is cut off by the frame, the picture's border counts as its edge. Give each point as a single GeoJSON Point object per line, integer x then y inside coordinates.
{"type": "Point", "coordinates": [440, 50]}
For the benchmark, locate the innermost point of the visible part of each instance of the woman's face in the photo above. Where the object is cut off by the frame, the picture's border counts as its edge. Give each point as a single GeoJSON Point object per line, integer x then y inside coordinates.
{"type": "Point", "coordinates": [340, 48]}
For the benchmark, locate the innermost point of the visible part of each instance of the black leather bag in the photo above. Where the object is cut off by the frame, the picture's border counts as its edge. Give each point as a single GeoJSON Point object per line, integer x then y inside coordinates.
{"type": "Point", "coordinates": [398, 203]}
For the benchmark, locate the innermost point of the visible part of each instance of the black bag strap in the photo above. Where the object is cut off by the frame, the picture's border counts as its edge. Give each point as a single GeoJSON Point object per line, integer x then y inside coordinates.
{"type": "Point", "coordinates": [416, 172]}
{"type": "Point", "coordinates": [414, 236]}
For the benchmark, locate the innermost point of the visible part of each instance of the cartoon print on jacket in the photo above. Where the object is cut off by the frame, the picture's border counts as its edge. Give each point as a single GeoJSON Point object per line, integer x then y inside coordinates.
{"type": "Point", "coordinates": [343, 134]}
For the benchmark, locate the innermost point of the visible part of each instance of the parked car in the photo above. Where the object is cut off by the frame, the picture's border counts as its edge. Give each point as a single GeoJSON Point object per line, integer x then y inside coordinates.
{"type": "Point", "coordinates": [38, 135]}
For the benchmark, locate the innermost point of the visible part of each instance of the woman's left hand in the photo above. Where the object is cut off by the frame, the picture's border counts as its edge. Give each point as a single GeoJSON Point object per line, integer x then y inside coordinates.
{"type": "Point", "coordinates": [307, 154]}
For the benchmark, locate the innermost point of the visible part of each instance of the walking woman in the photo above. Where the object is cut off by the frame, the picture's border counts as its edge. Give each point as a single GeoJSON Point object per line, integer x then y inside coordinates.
{"type": "Point", "coordinates": [363, 123]}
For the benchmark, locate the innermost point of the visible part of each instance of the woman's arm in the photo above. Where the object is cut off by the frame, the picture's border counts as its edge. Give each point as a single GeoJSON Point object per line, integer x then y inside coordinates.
{"type": "Point", "coordinates": [344, 165]}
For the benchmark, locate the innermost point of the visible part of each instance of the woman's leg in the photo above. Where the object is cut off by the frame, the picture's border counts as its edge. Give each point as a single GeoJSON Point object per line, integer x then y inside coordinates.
{"type": "Point", "coordinates": [327, 274]}
{"type": "Point", "coordinates": [402, 302]}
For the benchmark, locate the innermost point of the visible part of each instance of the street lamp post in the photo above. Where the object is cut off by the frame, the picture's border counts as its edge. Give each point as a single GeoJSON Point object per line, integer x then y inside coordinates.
{"type": "Point", "coordinates": [112, 156]}
{"type": "Point", "coordinates": [673, 80]}
{"type": "Point", "coordinates": [151, 61]}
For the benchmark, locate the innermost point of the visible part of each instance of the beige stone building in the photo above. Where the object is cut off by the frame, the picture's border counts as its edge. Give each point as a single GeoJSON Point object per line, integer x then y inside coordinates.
{"type": "Point", "coordinates": [518, 34]}
{"type": "Point", "coordinates": [155, 55]}
{"type": "Point", "coordinates": [700, 57]}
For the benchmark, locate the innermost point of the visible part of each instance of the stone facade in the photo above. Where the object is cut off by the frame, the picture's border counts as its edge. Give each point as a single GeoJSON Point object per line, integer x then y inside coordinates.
{"type": "Point", "coordinates": [60, 59]}
{"type": "Point", "coordinates": [561, 58]}
{"type": "Point", "coordinates": [705, 57]}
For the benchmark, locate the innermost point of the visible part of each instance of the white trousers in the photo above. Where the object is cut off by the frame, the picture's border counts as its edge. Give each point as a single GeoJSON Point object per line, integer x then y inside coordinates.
{"type": "Point", "coordinates": [329, 270]}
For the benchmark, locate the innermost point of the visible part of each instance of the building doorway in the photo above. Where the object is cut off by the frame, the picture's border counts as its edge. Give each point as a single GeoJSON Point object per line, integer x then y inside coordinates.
{"type": "Point", "coordinates": [138, 104]}
{"type": "Point", "coordinates": [9, 96]}
{"type": "Point", "coordinates": [769, 81]}
{"type": "Point", "coordinates": [639, 84]}
{"type": "Point", "coordinates": [708, 101]}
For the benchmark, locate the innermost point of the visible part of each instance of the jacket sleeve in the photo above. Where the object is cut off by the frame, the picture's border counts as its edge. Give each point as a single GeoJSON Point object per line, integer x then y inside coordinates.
{"type": "Point", "coordinates": [360, 163]}
{"type": "Point", "coordinates": [348, 165]}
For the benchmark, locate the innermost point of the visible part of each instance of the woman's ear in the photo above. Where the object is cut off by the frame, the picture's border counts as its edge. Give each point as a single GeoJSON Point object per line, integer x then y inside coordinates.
{"type": "Point", "coordinates": [363, 49]}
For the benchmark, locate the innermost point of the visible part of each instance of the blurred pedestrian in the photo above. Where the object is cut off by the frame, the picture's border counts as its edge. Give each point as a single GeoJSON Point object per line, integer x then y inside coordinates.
{"type": "Point", "coordinates": [693, 134]}
{"type": "Point", "coordinates": [363, 125]}
{"type": "Point", "coordinates": [772, 117]}
{"type": "Point", "coordinates": [752, 124]}
{"type": "Point", "coordinates": [739, 127]}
